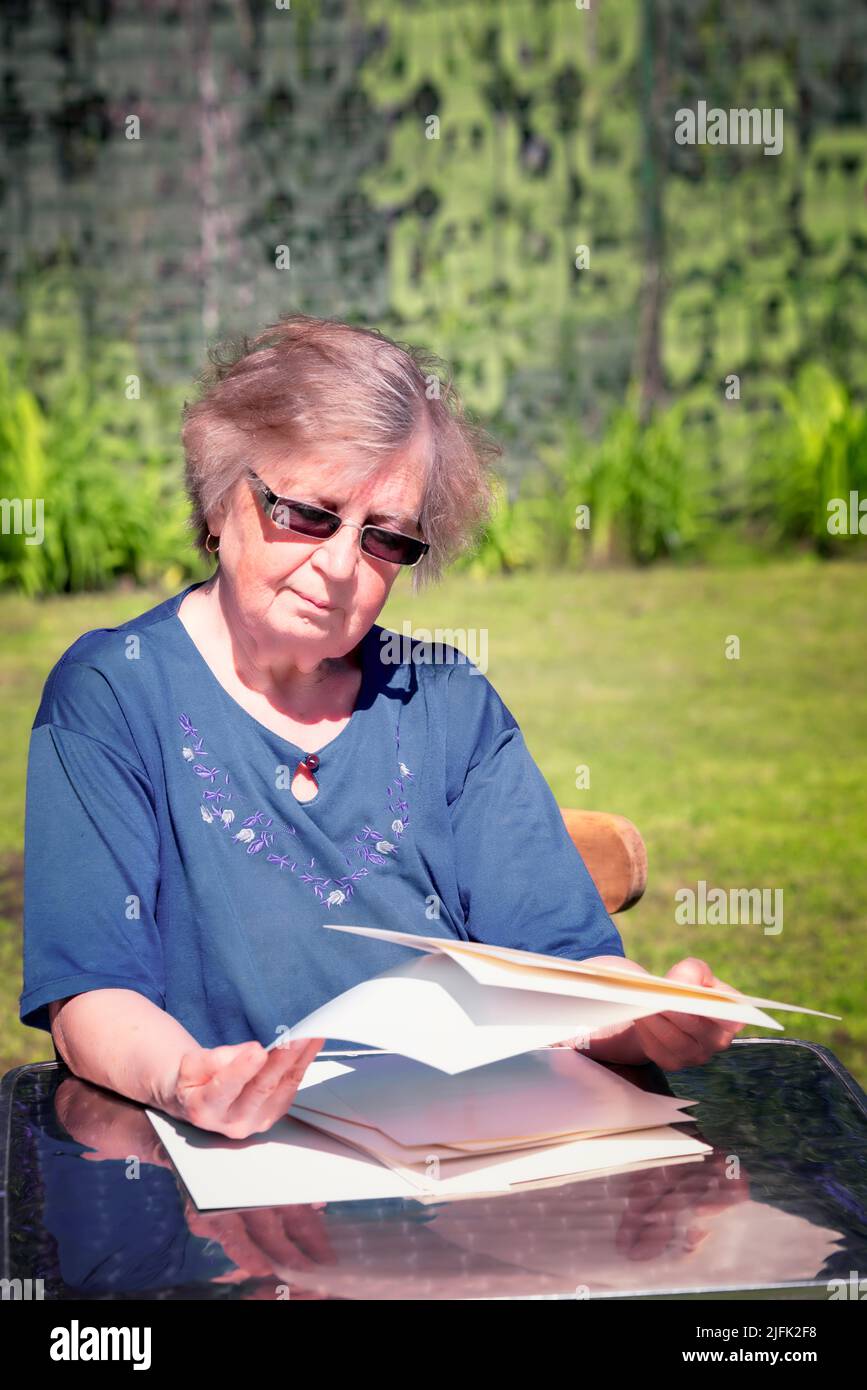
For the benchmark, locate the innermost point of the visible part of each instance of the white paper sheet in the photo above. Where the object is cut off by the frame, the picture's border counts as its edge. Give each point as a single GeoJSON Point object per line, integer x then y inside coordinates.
{"type": "Point", "coordinates": [433, 1010]}
{"type": "Point", "coordinates": [290, 1164]}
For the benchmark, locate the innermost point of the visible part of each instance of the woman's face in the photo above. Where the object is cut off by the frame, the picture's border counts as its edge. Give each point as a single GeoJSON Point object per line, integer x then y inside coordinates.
{"type": "Point", "coordinates": [268, 574]}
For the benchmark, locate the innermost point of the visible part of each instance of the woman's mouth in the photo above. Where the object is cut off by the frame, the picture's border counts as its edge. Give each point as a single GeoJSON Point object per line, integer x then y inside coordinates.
{"type": "Point", "coordinates": [323, 607]}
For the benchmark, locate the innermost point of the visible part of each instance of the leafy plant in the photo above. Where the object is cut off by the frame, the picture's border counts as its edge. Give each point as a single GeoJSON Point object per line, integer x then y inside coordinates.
{"type": "Point", "coordinates": [81, 431]}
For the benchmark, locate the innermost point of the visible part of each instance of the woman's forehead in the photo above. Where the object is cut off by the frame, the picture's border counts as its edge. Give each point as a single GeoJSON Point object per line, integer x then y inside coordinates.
{"type": "Point", "coordinates": [333, 479]}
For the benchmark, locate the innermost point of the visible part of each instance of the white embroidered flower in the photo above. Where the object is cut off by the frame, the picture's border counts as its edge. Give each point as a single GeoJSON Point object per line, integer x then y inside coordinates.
{"type": "Point", "coordinates": [245, 835]}
{"type": "Point", "coordinates": [397, 827]}
{"type": "Point", "coordinates": [385, 846]}
{"type": "Point", "coordinates": [335, 899]}
{"type": "Point", "coordinates": [227, 816]}
{"type": "Point", "coordinates": [188, 754]}
{"type": "Point", "coordinates": [404, 770]}
{"type": "Point", "coordinates": [206, 815]}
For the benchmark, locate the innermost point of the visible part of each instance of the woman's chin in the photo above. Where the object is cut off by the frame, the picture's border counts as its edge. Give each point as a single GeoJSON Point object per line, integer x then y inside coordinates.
{"type": "Point", "coordinates": [287, 624]}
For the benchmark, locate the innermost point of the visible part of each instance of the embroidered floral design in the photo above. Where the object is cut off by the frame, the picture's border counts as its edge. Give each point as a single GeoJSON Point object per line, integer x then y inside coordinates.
{"type": "Point", "coordinates": [259, 832]}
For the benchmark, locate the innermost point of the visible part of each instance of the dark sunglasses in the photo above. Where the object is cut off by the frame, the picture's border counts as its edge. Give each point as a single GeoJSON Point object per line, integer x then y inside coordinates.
{"type": "Point", "coordinates": [318, 524]}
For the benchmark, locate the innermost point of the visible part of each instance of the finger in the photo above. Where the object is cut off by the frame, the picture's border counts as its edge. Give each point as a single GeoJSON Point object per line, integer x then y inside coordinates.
{"type": "Point", "coordinates": [201, 1064]}
{"type": "Point", "coordinates": [269, 1093]}
{"type": "Point", "coordinates": [666, 1033]}
{"type": "Point", "coordinates": [671, 1191]}
{"type": "Point", "coordinates": [280, 1107]}
{"type": "Point", "coordinates": [671, 1047]}
{"type": "Point", "coordinates": [716, 1032]}
{"type": "Point", "coordinates": [653, 1188]}
{"type": "Point", "coordinates": [654, 1050]}
{"type": "Point", "coordinates": [729, 989]}
{"type": "Point", "coordinates": [215, 1086]}
{"type": "Point", "coordinates": [695, 1236]}
{"type": "Point", "coordinates": [647, 1218]}
{"type": "Point", "coordinates": [292, 1237]}
{"type": "Point", "coordinates": [647, 1240]}
{"type": "Point", "coordinates": [722, 1032]}
{"type": "Point", "coordinates": [229, 1232]}
{"type": "Point", "coordinates": [245, 1252]}
{"type": "Point", "coordinates": [265, 1229]}
{"type": "Point", "coordinates": [280, 1076]}
{"type": "Point", "coordinates": [727, 1031]}
{"type": "Point", "coordinates": [307, 1229]}
{"type": "Point", "coordinates": [706, 1032]}
{"type": "Point", "coordinates": [691, 971]}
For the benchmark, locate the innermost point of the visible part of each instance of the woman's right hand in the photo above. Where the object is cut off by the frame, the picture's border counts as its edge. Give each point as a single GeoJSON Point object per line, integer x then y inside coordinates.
{"type": "Point", "coordinates": [238, 1090]}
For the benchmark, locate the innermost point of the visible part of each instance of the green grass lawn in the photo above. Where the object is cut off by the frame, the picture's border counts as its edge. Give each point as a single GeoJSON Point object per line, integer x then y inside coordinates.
{"type": "Point", "coordinates": [746, 773]}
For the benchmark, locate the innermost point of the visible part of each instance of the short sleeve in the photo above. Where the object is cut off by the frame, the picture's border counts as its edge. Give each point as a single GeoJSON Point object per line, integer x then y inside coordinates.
{"type": "Point", "coordinates": [91, 850]}
{"type": "Point", "coordinates": [522, 882]}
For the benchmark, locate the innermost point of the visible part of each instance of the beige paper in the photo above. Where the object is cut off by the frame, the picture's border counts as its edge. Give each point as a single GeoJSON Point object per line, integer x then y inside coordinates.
{"type": "Point", "coordinates": [502, 1169]}
{"type": "Point", "coordinates": [531, 960]}
{"type": "Point", "coordinates": [542, 1094]}
{"type": "Point", "coordinates": [387, 1150]}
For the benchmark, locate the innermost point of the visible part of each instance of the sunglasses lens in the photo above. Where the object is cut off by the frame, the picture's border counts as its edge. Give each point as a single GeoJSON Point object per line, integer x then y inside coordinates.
{"type": "Point", "coordinates": [310, 521]}
{"type": "Point", "coordinates": [388, 545]}
{"type": "Point", "coordinates": [319, 524]}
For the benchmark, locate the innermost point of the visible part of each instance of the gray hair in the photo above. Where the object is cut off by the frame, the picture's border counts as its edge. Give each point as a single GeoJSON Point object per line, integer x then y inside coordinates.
{"type": "Point", "coordinates": [305, 381]}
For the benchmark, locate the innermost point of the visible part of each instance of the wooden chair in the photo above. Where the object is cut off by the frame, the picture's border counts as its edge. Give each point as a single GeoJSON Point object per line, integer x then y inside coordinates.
{"type": "Point", "coordinates": [614, 853]}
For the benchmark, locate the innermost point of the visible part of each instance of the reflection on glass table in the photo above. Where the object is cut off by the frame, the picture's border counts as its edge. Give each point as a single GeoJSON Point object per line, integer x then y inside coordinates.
{"type": "Point", "coordinates": [94, 1208]}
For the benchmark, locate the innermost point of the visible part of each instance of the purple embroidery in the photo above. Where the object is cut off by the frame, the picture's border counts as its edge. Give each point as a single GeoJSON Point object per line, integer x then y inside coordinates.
{"type": "Point", "coordinates": [258, 831]}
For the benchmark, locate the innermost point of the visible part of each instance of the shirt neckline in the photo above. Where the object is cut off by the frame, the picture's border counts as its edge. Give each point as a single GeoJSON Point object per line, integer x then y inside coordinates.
{"type": "Point", "coordinates": [323, 753]}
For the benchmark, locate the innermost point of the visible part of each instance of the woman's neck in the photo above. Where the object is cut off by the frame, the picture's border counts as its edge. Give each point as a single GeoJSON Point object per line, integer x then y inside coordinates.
{"type": "Point", "coordinates": [233, 653]}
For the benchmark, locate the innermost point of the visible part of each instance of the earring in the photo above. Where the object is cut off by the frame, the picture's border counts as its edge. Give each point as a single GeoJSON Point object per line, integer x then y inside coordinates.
{"type": "Point", "coordinates": [212, 550]}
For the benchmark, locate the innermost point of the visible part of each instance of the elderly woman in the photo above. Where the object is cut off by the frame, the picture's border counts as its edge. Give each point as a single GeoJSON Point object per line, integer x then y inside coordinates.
{"type": "Point", "coordinates": [212, 781]}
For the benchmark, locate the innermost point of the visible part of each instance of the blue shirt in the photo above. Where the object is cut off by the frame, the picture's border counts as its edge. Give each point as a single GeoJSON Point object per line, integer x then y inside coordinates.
{"type": "Point", "coordinates": [166, 853]}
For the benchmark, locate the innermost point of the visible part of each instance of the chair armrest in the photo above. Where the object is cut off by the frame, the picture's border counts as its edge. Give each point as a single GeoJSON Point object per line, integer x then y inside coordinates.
{"type": "Point", "coordinates": [614, 853]}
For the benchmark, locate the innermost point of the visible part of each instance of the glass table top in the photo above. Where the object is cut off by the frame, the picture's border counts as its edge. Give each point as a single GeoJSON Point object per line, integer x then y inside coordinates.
{"type": "Point", "coordinates": [93, 1208]}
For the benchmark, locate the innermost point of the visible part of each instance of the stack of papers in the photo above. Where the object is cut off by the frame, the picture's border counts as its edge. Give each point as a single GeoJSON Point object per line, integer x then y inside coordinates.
{"type": "Point", "coordinates": [469, 1097]}
{"type": "Point", "coordinates": [383, 1126]}
{"type": "Point", "coordinates": [463, 1004]}
{"type": "Point", "coordinates": [548, 1114]}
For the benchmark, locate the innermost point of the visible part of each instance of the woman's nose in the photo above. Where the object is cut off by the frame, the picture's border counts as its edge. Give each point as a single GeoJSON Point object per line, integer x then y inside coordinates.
{"type": "Point", "coordinates": [339, 553]}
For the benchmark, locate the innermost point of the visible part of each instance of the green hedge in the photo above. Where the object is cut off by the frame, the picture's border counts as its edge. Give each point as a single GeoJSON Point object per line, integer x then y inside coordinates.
{"type": "Point", "coordinates": [83, 429]}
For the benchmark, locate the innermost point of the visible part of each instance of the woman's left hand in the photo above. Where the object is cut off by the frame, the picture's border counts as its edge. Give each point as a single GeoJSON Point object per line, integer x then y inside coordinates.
{"type": "Point", "coordinates": [686, 1040]}
{"type": "Point", "coordinates": [672, 1040]}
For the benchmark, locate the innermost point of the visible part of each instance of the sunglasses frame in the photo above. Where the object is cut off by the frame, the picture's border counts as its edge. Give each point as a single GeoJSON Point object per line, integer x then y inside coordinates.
{"type": "Point", "coordinates": [270, 500]}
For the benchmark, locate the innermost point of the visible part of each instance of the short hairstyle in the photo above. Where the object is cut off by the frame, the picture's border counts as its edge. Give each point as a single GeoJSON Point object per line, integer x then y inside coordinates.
{"type": "Point", "coordinates": [306, 381]}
